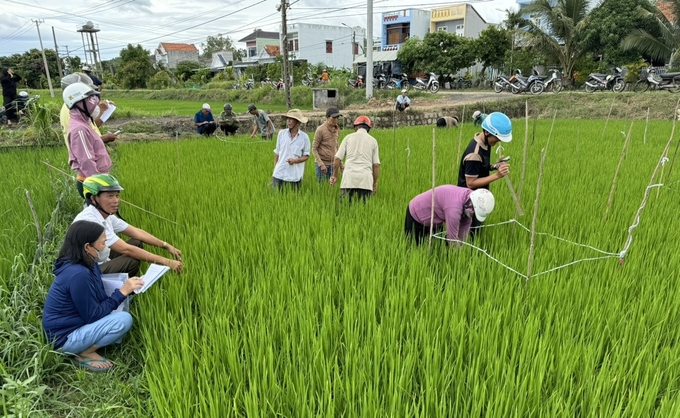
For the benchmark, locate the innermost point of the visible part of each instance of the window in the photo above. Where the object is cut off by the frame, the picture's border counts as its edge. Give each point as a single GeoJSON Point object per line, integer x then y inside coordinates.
{"type": "Point", "coordinates": [442, 29]}
{"type": "Point", "coordinates": [293, 45]}
{"type": "Point", "coordinates": [460, 30]}
{"type": "Point", "coordinates": [355, 48]}
{"type": "Point", "coordinates": [252, 51]}
{"type": "Point", "coordinates": [397, 34]}
{"type": "Point", "coordinates": [329, 47]}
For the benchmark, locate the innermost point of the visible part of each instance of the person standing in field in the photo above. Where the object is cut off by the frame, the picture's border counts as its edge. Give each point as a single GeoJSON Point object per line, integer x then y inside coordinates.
{"type": "Point", "coordinates": [96, 81]}
{"type": "Point", "coordinates": [228, 122]}
{"type": "Point", "coordinates": [447, 122]}
{"type": "Point", "coordinates": [96, 122]}
{"type": "Point", "coordinates": [325, 144]}
{"type": "Point", "coordinates": [403, 102]}
{"type": "Point", "coordinates": [475, 165]}
{"type": "Point", "coordinates": [454, 206]}
{"type": "Point", "coordinates": [362, 162]}
{"type": "Point", "coordinates": [102, 194]}
{"type": "Point", "coordinates": [204, 121]}
{"type": "Point", "coordinates": [291, 152]}
{"type": "Point", "coordinates": [478, 117]}
{"type": "Point", "coordinates": [262, 122]}
{"type": "Point", "coordinates": [9, 81]}
{"type": "Point", "coordinates": [87, 153]}
{"type": "Point", "coordinates": [77, 317]}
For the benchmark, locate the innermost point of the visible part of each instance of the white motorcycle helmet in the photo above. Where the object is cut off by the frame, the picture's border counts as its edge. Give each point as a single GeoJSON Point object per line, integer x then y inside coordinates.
{"type": "Point", "coordinates": [23, 95]}
{"type": "Point", "coordinates": [483, 202]}
{"type": "Point", "coordinates": [76, 92]}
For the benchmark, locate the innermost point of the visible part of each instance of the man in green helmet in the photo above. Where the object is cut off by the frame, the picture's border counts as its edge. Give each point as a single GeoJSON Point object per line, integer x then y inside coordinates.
{"type": "Point", "coordinates": [102, 194]}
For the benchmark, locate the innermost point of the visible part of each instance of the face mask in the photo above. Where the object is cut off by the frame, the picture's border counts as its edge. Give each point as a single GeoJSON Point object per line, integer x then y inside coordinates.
{"type": "Point", "coordinates": [92, 103]}
{"type": "Point", "coordinates": [96, 112]}
{"type": "Point", "coordinates": [102, 255]}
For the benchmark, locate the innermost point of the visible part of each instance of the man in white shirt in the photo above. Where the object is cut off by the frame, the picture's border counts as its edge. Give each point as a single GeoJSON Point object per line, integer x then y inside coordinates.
{"type": "Point", "coordinates": [102, 193]}
{"type": "Point", "coordinates": [362, 162]}
{"type": "Point", "coordinates": [402, 101]}
{"type": "Point", "coordinates": [291, 152]}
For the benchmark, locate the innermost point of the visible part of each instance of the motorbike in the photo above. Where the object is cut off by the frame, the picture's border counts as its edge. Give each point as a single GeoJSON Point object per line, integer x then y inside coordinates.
{"type": "Point", "coordinates": [502, 84]}
{"type": "Point", "coordinates": [266, 82]}
{"type": "Point", "coordinates": [249, 85]}
{"type": "Point", "coordinates": [379, 81]}
{"type": "Point", "coordinates": [461, 83]}
{"type": "Point", "coordinates": [651, 79]}
{"type": "Point", "coordinates": [553, 82]}
{"type": "Point", "coordinates": [21, 105]}
{"type": "Point", "coordinates": [279, 84]}
{"type": "Point", "coordinates": [522, 84]}
{"type": "Point", "coordinates": [430, 84]}
{"type": "Point", "coordinates": [399, 83]}
{"type": "Point", "coordinates": [599, 81]}
{"type": "Point", "coordinates": [357, 84]}
{"type": "Point", "coordinates": [308, 81]}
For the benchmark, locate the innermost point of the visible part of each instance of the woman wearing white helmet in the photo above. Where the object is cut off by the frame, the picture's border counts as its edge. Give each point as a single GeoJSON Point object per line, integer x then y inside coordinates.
{"type": "Point", "coordinates": [475, 165]}
{"type": "Point", "coordinates": [453, 206]}
{"type": "Point", "coordinates": [87, 153]}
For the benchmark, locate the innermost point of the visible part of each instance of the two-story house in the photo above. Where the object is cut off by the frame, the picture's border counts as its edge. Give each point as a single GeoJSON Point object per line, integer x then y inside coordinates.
{"type": "Point", "coordinates": [258, 46]}
{"type": "Point", "coordinates": [170, 54]}
{"type": "Point", "coordinates": [335, 46]}
{"type": "Point", "coordinates": [399, 25]}
{"type": "Point", "coordinates": [461, 19]}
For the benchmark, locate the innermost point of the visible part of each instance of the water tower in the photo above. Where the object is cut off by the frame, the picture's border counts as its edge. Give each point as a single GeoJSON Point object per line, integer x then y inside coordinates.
{"type": "Point", "coordinates": [88, 33]}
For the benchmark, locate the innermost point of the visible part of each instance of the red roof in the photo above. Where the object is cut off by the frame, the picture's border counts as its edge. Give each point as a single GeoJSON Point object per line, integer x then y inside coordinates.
{"type": "Point", "coordinates": [178, 47]}
{"type": "Point", "coordinates": [272, 50]}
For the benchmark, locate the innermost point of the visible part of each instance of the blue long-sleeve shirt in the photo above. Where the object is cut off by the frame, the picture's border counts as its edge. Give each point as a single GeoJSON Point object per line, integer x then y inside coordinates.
{"type": "Point", "coordinates": [76, 298]}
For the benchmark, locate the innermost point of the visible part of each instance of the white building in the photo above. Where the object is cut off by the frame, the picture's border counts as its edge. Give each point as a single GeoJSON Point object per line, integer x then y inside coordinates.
{"type": "Point", "coordinates": [170, 54]}
{"type": "Point", "coordinates": [334, 46]}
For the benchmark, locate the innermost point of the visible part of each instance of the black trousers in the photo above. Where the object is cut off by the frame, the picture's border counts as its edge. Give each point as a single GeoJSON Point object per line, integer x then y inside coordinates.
{"type": "Point", "coordinates": [119, 263]}
{"type": "Point", "coordinates": [10, 111]}
{"type": "Point", "coordinates": [351, 194]}
{"type": "Point", "coordinates": [416, 230]}
{"type": "Point", "coordinates": [229, 129]}
{"type": "Point", "coordinates": [207, 129]}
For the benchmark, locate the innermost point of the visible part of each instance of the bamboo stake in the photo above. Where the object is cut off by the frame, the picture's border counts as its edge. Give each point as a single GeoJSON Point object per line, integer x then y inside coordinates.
{"type": "Point", "coordinates": [663, 163]}
{"type": "Point", "coordinates": [551, 130]}
{"type": "Point", "coordinates": [179, 167]}
{"type": "Point", "coordinates": [533, 137]}
{"type": "Point", "coordinates": [394, 145]}
{"type": "Point", "coordinates": [518, 207]}
{"type": "Point", "coordinates": [616, 173]}
{"type": "Point", "coordinates": [530, 261]}
{"type": "Point", "coordinates": [644, 138]}
{"type": "Point", "coordinates": [524, 152]}
{"type": "Point", "coordinates": [54, 185]}
{"type": "Point", "coordinates": [433, 186]}
{"type": "Point", "coordinates": [35, 217]}
{"type": "Point", "coordinates": [607, 121]}
{"type": "Point", "coordinates": [460, 141]}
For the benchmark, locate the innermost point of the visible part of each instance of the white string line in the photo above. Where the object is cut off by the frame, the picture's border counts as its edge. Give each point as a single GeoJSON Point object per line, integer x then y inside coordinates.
{"type": "Point", "coordinates": [636, 221]}
{"type": "Point", "coordinates": [575, 262]}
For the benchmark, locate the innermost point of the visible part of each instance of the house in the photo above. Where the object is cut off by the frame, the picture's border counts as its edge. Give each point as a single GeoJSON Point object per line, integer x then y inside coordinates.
{"type": "Point", "coordinates": [461, 19]}
{"type": "Point", "coordinates": [220, 60]}
{"type": "Point", "coordinates": [256, 43]}
{"type": "Point", "coordinates": [335, 46]}
{"type": "Point", "coordinates": [170, 54]}
{"type": "Point", "coordinates": [399, 25]}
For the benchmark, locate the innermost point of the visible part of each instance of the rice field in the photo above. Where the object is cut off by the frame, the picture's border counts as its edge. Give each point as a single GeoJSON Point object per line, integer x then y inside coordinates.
{"type": "Point", "coordinates": [294, 304]}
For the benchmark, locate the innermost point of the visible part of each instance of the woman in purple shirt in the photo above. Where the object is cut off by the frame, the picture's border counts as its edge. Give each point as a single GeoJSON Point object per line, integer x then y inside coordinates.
{"type": "Point", "coordinates": [453, 206]}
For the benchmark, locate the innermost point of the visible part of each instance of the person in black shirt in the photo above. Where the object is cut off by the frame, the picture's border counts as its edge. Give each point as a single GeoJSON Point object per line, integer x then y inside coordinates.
{"type": "Point", "coordinates": [9, 82]}
{"type": "Point", "coordinates": [97, 82]}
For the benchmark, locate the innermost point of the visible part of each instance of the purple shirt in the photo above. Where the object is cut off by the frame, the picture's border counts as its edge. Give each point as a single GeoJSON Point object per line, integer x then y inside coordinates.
{"type": "Point", "coordinates": [448, 208]}
{"type": "Point", "coordinates": [87, 153]}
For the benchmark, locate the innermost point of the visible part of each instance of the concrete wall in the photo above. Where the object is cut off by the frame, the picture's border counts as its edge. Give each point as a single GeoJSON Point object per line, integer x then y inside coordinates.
{"type": "Point", "coordinates": [312, 43]}
{"type": "Point", "coordinates": [175, 57]}
{"type": "Point", "coordinates": [474, 24]}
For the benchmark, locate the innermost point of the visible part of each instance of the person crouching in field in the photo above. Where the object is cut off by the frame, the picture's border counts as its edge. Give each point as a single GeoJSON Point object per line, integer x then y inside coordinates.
{"type": "Point", "coordinates": [87, 153]}
{"type": "Point", "coordinates": [291, 152]}
{"type": "Point", "coordinates": [228, 122]}
{"type": "Point", "coordinates": [102, 194]}
{"type": "Point", "coordinates": [454, 206]}
{"type": "Point", "coordinates": [77, 316]}
{"type": "Point", "coordinates": [447, 122]}
{"type": "Point", "coordinates": [204, 121]}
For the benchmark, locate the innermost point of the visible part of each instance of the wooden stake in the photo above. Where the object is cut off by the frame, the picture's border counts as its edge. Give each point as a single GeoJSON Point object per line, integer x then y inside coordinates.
{"type": "Point", "coordinates": [394, 145]}
{"type": "Point", "coordinates": [530, 262]}
{"type": "Point", "coordinates": [457, 163]}
{"type": "Point", "coordinates": [663, 164]}
{"type": "Point", "coordinates": [518, 207]}
{"type": "Point", "coordinates": [524, 152]}
{"type": "Point", "coordinates": [179, 167]}
{"type": "Point", "coordinates": [607, 121]}
{"type": "Point", "coordinates": [54, 185]}
{"type": "Point", "coordinates": [616, 173]}
{"type": "Point", "coordinates": [644, 138]}
{"type": "Point", "coordinates": [433, 186]}
{"type": "Point", "coordinates": [35, 218]}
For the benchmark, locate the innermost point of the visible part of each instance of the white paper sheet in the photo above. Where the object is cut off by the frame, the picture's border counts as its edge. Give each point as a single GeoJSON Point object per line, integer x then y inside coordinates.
{"type": "Point", "coordinates": [108, 112]}
{"type": "Point", "coordinates": [154, 273]}
{"type": "Point", "coordinates": [111, 283]}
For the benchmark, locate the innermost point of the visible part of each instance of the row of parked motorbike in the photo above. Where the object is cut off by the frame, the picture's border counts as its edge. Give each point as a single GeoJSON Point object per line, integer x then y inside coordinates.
{"type": "Point", "coordinates": [381, 81]}
{"type": "Point", "coordinates": [534, 84]}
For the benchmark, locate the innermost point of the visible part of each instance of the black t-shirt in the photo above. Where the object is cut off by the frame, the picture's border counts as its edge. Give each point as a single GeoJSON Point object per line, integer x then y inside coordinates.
{"type": "Point", "coordinates": [476, 161]}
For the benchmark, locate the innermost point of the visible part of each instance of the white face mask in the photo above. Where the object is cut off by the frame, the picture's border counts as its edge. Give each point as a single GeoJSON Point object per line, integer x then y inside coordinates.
{"type": "Point", "coordinates": [96, 112]}
{"type": "Point", "coordinates": [102, 255]}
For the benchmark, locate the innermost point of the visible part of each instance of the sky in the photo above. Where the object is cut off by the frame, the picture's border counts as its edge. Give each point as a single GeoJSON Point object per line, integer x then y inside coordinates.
{"type": "Point", "coordinates": [149, 22]}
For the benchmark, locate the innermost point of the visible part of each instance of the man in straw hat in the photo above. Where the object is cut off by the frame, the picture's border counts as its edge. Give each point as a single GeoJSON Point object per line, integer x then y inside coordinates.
{"type": "Point", "coordinates": [291, 152]}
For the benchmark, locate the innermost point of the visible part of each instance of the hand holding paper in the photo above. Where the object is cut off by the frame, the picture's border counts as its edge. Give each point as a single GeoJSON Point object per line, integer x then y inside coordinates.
{"type": "Point", "coordinates": [154, 273]}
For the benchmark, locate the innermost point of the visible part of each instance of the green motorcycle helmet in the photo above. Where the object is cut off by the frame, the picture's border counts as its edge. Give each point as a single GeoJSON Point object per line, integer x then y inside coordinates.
{"type": "Point", "coordinates": [98, 183]}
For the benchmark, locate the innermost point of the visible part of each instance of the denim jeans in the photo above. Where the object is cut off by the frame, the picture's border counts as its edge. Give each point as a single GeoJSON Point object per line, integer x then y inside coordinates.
{"type": "Point", "coordinates": [278, 184]}
{"type": "Point", "coordinates": [108, 330]}
{"type": "Point", "coordinates": [320, 176]}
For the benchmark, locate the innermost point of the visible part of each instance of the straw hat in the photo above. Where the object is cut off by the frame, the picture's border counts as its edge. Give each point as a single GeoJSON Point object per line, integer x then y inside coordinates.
{"type": "Point", "coordinates": [297, 115]}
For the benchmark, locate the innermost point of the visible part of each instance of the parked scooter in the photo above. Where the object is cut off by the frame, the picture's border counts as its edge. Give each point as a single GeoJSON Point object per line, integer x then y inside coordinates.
{"type": "Point", "coordinates": [521, 84]}
{"type": "Point", "coordinates": [357, 84]}
{"type": "Point", "coordinates": [380, 81]}
{"type": "Point", "coordinates": [279, 84]}
{"type": "Point", "coordinates": [553, 82]}
{"type": "Point", "coordinates": [399, 83]}
{"type": "Point", "coordinates": [599, 81]}
{"type": "Point", "coordinates": [650, 79]}
{"type": "Point", "coordinates": [249, 85]}
{"type": "Point", "coordinates": [308, 81]}
{"type": "Point", "coordinates": [21, 105]}
{"type": "Point", "coordinates": [266, 82]}
{"type": "Point", "coordinates": [430, 84]}
{"type": "Point", "coordinates": [502, 83]}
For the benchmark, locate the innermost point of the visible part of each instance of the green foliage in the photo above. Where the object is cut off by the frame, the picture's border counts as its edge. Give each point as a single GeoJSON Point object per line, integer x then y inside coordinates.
{"type": "Point", "coordinates": [220, 43]}
{"type": "Point", "coordinates": [439, 52]}
{"type": "Point", "coordinates": [582, 69]}
{"type": "Point", "coordinates": [184, 70]}
{"type": "Point", "coordinates": [523, 58]}
{"type": "Point", "coordinates": [492, 45]}
{"type": "Point", "coordinates": [634, 68]}
{"type": "Point", "coordinates": [136, 69]}
{"type": "Point", "coordinates": [660, 38]}
{"type": "Point", "coordinates": [30, 67]}
{"type": "Point", "coordinates": [160, 80]}
{"type": "Point", "coordinates": [202, 76]}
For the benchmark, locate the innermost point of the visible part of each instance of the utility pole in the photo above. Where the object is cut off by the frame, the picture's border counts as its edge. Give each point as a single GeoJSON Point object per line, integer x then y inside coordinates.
{"type": "Point", "coordinates": [369, 50]}
{"type": "Point", "coordinates": [56, 49]}
{"type": "Point", "coordinates": [42, 48]}
{"type": "Point", "coordinates": [284, 49]}
{"type": "Point", "coordinates": [68, 57]}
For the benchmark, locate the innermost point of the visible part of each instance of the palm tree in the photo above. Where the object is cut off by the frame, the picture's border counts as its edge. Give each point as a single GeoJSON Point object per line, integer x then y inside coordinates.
{"type": "Point", "coordinates": [658, 48]}
{"type": "Point", "coordinates": [559, 29]}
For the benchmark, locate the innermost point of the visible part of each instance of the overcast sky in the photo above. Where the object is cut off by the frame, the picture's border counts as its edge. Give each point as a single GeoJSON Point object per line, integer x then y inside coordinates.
{"type": "Point", "coordinates": [148, 22]}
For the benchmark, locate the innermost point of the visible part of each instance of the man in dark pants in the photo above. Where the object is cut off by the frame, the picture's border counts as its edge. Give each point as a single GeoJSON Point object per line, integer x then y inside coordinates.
{"type": "Point", "coordinates": [475, 165]}
{"type": "Point", "coordinates": [9, 82]}
{"type": "Point", "coordinates": [204, 121]}
{"type": "Point", "coordinates": [228, 122]}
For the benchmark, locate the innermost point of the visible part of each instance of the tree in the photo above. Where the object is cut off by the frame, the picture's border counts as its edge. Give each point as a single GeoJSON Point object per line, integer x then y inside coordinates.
{"type": "Point", "coordinates": [219, 43]}
{"type": "Point", "coordinates": [559, 30]}
{"type": "Point", "coordinates": [491, 46]}
{"type": "Point", "coordinates": [186, 69]}
{"type": "Point", "coordinates": [609, 23]}
{"type": "Point", "coordinates": [31, 68]}
{"type": "Point", "coordinates": [439, 52]}
{"type": "Point", "coordinates": [664, 45]}
{"type": "Point", "coordinates": [136, 68]}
